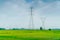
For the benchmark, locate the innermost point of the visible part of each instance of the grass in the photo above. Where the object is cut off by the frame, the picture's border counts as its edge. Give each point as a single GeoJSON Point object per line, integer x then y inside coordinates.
{"type": "Point", "coordinates": [29, 35]}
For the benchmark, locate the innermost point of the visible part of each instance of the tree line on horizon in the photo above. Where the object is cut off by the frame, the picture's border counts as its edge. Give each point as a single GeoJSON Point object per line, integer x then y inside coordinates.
{"type": "Point", "coordinates": [22, 29]}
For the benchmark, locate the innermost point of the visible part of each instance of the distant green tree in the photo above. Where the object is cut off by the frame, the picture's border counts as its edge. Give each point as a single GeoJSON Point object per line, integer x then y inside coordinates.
{"type": "Point", "coordinates": [22, 28]}
{"type": "Point", "coordinates": [49, 29]}
{"type": "Point", "coordinates": [2, 28]}
{"type": "Point", "coordinates": [41, 28]}
{"type": "Point", "coordinates": [15, 29]}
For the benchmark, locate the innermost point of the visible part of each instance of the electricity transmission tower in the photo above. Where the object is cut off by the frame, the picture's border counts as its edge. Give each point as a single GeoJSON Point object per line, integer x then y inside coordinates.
{"type": "Point", "coordinates": [31, 24]}
{"type": "Point", "coordinates": [43, 19]}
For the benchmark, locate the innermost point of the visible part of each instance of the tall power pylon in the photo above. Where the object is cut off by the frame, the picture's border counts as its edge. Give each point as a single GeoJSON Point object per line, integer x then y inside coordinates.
{"type": "Point", "coordinates": [31, 24]}
{"type": "Point", "coordinates": [43, 19]}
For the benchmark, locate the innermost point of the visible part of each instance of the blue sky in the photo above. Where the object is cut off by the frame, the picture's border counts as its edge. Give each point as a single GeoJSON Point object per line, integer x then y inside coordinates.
{"type": "Point", "coordinates": [16, 13]}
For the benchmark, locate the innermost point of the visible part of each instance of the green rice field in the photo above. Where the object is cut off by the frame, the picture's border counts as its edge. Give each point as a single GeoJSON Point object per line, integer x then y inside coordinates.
{"type": "Point", "coordinates": [29, 35]}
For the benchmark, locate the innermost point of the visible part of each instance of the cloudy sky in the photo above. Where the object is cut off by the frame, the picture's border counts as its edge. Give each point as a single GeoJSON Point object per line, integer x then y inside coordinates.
{"type": "Point", "coordinates": [16, 13]}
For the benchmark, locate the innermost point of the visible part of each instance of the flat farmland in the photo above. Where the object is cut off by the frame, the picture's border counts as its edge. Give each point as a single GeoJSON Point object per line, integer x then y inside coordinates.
{"type": "Point", "coordinates": [29, 35]}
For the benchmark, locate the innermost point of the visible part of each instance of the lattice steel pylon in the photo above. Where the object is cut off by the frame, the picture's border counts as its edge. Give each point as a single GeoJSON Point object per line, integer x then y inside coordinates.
{"type": "Point", "coordinates": [43, 19]}
{"type": "Point", "coordinates": [31, 23]}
